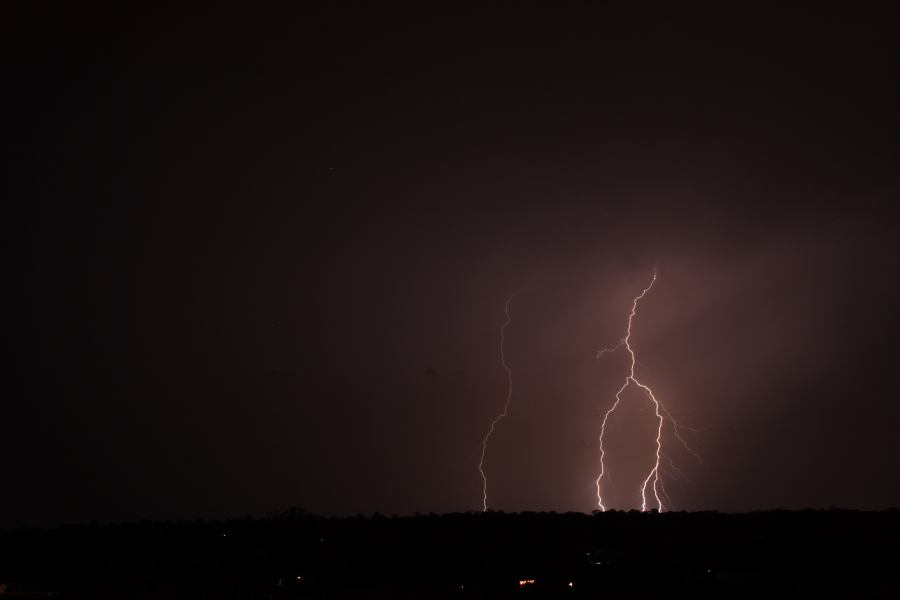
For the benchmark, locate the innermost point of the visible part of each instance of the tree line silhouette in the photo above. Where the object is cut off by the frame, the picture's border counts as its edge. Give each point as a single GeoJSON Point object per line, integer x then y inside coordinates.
{"type": "Point", "coordinates": [292, 554]}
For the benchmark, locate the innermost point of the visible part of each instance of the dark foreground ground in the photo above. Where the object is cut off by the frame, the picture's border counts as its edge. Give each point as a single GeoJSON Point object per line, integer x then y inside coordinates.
{"type": "Point", "coordinates": [613, 555]}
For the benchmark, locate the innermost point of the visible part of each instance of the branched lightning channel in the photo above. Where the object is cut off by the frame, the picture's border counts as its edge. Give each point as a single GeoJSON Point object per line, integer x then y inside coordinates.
{"type": "Point", "coordinates": [509, 392]}
{"type": "Point", "coordinates": [600, 353]}
{"type": "Point", "coordinates": [653, 479]}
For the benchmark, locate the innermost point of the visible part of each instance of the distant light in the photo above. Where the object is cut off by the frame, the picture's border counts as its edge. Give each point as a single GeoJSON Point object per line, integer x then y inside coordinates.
{"type": "Point", "coordinates": [571, 584]}
{"type": "Point", "coordinates": [525, 582]}
{"type": "Point", "coordinates": [299, 577]}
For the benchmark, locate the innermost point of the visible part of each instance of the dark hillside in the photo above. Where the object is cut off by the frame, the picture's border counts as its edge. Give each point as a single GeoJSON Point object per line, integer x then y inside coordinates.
{"type": "Point", "coordinates": [295, 555]}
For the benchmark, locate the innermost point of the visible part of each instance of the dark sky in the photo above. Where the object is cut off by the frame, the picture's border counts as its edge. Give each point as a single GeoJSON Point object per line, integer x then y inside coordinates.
{"type": "Point", "coordinates": [259, 260]}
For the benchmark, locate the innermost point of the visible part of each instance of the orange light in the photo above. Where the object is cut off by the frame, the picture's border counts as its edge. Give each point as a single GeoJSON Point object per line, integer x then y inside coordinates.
{"type": "Point", "coordinates": [525, 582]}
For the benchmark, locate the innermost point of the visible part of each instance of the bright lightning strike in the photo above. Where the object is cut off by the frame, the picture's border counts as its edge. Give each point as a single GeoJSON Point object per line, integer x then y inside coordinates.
{"type": "Point", "coordinates": [653, 479]}
{"type": "Point", "coordinates": [509, 392]}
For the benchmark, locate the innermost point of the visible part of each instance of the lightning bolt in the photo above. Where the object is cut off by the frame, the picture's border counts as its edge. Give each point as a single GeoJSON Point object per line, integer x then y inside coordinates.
{"type": "Point", "coordinates": [509, 392]}
{"type": "Point", "coordinates": [663, 416]}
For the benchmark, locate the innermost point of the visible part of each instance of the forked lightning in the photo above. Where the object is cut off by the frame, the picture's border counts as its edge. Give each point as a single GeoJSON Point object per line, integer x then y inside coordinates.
{"type": "Point", "coordinates": [653, 479]}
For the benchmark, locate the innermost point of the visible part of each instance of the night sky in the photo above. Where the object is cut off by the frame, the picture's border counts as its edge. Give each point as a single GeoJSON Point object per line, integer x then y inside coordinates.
{"type": "Point", "coordinates": [260, 260]}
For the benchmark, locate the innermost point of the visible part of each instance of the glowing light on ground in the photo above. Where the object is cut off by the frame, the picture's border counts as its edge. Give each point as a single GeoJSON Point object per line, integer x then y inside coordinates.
{"type": "Point", "coordinates": [653, 480]}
